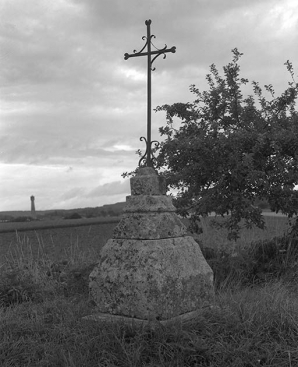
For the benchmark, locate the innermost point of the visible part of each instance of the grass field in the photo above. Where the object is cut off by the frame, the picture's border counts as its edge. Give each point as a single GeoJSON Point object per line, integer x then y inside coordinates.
{"type": "Point", "coordinates": [44, 297]}
{"type": "Point", "coordinates": [57, 238]}
{"type": "Point", "coordinates": [56, 243]}
{"type": "Point", "coordinates": [275, 226]}
{"type": "Point", "coordinates": [48, 224]}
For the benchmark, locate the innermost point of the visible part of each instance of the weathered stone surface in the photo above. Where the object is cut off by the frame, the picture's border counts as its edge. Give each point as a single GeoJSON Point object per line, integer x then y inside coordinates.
{"type": "Point", "coordinates": [149, 203]}
{"type": "Point", "coordinates": [149, 226]}
{"type": "Point", "coordinates": [151, 279]}
{"type": "Point", "coordinates": [147, 182]}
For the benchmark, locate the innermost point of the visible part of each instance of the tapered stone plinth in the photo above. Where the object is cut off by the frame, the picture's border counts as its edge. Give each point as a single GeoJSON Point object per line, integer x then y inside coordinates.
{"type": "Point", "coordinates": [151, 269]}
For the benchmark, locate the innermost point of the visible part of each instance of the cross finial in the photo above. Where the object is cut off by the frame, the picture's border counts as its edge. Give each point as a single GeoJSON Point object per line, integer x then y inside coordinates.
{"type": "Point", "coordinates": [148, 156]}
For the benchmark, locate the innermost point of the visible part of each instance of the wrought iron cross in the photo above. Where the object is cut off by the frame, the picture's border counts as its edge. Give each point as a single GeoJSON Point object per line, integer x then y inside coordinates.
{"type": "Point", "coordinates": [148, 156]}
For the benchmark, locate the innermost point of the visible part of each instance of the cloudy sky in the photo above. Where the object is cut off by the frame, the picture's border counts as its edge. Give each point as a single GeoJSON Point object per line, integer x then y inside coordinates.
{"type": "Point", "coordinates": [72, 109]}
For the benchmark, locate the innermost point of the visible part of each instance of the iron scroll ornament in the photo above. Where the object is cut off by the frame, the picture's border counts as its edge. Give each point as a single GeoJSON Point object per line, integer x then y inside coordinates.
{"type": "Point", "coordinates": [148, 154]}
{"type": "Point", "coordinates": [158, 52]}
{"type": "Point", "coordinates": [148, 157]}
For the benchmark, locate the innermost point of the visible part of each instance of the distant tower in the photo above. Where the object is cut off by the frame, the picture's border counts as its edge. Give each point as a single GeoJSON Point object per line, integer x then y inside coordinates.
{"type": "Point", "coordinates": [32, 198]}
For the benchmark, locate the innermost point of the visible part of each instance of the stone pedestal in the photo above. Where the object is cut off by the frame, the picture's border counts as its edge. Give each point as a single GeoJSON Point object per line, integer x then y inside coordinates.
{"type": "Point", "coordinates": [151, 269]}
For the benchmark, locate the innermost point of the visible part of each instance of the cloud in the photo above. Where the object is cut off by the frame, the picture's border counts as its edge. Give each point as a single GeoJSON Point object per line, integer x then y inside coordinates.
{"type": "Point", "coordinates": [56, 188]}
{"type": "Point", "coordinates": [69, 99]}
{"type": "Point", "coordinates": [73, 193]}
{"type": "Point", "coordinates": [102, 194]}
{"type": "Point", "coordinates": [111, 188]}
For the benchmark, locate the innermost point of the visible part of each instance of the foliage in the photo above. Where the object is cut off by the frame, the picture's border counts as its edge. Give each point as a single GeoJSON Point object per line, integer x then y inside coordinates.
{"type": "Point", "coordinates": [22, 219]}
{"type": "Point", "coordinates": [232, 151]}
{"type": "Point", "coordinates": [6, 218]}
{"type": "Point", "coordinates": [73, 216]}
{"type": "Point", "coordinates": [17, 287]}
{"type": "Point", "coordinates": [263, 261]}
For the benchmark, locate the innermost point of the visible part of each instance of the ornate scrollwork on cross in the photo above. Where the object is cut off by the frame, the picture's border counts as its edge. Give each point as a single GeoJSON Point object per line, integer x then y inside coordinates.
{"type": "Point", "coordinates": [148, 157]}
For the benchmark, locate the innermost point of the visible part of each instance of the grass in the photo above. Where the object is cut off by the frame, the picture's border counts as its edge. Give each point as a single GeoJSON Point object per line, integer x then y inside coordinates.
{"type": "Point", "coordinates": [239, 334]}
{"type": "Point", "coordinates": [56, 243]}
{"type": "Point", "coordinates": [58, 223]}
{"type": "Point", "coordinates": [253, 322]}
{"type": "Point", "coordinates": [215, 238]}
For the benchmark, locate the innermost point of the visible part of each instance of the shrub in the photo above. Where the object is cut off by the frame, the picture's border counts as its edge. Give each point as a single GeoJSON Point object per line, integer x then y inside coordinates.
{"type": "Point", "coordinates": [73, 216]}
{"type": "Point", "coordinates": [262, 261]}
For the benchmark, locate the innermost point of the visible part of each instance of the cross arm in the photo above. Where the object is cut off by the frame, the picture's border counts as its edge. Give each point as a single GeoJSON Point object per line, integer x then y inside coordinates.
{"type": "Point", "coordinates": [158, 52]}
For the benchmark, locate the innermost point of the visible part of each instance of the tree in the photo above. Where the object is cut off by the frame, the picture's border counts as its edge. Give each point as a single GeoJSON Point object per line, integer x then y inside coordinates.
{"type": "Point", "coordinates": [74, 216]}
{"type": "Point", "coordinates": [232, 151]}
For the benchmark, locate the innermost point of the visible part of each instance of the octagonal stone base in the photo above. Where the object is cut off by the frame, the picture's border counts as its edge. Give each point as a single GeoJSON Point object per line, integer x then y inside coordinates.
{"type": "Point", "coordinates": [151, 279]}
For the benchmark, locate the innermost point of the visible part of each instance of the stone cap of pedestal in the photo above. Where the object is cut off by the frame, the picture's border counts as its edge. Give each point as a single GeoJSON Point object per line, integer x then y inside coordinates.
{"type": "Point", "coordinates": [149, 203]}
{"type": "Point", "coordinates": [152, 225]}
{"type": "Point", "coordinates": [148, 182]}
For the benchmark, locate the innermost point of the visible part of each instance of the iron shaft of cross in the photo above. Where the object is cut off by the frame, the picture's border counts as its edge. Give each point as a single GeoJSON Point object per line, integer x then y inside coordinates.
{"type": "Point", "coordinates": [148, 156]}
